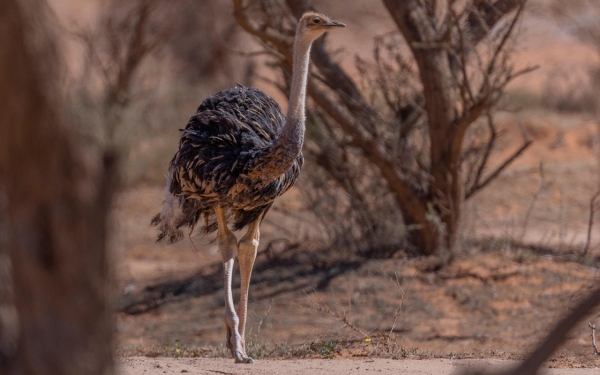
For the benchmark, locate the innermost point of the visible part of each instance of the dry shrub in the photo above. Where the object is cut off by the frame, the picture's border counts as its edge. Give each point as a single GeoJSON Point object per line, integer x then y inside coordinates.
{"type": "Point", "coordinates": [344, 192]}
{"type": "Point", "coordinates": [148, 64]}
{"type": "Point", "coordinates": [390, 141]}
{"type": "Point", "coordinates": [566, 91]}
{"type": "Point", "coordinates": [109, 102]}
{"type": "Point", "coordinates": [356, 214]}
{"type": "Point", "coordinates": [203, 42]}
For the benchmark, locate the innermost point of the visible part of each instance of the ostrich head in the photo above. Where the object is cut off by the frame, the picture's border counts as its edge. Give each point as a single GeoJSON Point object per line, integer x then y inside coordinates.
{"type": "Point", "coordinates": [312, 25]}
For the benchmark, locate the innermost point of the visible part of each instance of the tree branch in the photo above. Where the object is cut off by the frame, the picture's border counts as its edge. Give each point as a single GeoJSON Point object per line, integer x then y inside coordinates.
{"type": "Point", "coordinates": [406, 197]}
{"type": "Point", "coordinates": [412, 20]}
{"type": "Point", "coordinates": [485, 16]}
{"type": "Point", "coordinates": [505, 38]}
{"type": "Point", "coordinates": [590, 224]}
{"type": "Point", "coordinates": [480, 185]}
{"type": "Point", "coordinates": [488, 149]}
{"type": "Point", "coordinates": [280, 41]}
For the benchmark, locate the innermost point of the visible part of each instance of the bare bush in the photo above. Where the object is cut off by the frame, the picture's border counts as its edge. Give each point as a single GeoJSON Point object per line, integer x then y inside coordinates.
{"type": "Point", "coordinates": [563, 91]}
{"type": "Point", "coordinates": [391, 141]}
{"type": "Point", "coordinates": [126, 36]}
{"type": "Point", "coordinates": [203, 41]}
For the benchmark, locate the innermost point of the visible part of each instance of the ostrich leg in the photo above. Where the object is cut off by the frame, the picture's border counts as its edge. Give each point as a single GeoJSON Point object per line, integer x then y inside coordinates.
{"type": "Point", "coordinates": [227, 245]}
{"type": "Point", "coordinates": [246, 255]}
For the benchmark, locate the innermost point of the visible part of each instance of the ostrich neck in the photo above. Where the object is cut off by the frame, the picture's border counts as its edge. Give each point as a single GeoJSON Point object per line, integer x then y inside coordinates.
{"type": "Point", "coordinates": [280, 157]}
{"type": "Point", "coordinates": [293, 129]}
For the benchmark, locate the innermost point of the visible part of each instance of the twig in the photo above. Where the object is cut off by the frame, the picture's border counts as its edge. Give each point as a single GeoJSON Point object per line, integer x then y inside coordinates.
{"type": "Point", "coordinates": [521, 72]}
{"type": "Point", "coordinates": [401, 301]}
{"type": "Point", "coordinates": [480, 185]}
{"type": "Point", "coordinates": [322, 307]}
{"type": "Point", "coordinates": [270, 82]}
{"type": "Point", "coordinates": [463, 60]}
{"type": "Point", "coordinates": [268, 34]}
{"type": "Point", "coordinates": [593, 327]}
{"type": "Point", "coordinates": [536, 195]}
{"type": "Point", "coordinates": [252, 53]}
{"type": "Point", "coordinates": [260, 323]}
{"type": "Point", "coordinates": [590, 224]}
{"type": "Point", "coordinates": [486, 154]}
{"type": "Point", "coordinates": [505, 38]}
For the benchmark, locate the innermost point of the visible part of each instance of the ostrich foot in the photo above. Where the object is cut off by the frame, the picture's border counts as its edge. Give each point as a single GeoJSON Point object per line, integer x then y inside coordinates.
{"type": "Point", "coordinates": [238, 352]}
{"type": "Point", "coordinates": [236, 347]}
{"type": "Point", "coordinates": [242, 358]}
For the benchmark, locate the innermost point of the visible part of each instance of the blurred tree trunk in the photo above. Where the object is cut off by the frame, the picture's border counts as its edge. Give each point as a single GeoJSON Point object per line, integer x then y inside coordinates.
{"type": "Point", "coordinates": [56, 211]}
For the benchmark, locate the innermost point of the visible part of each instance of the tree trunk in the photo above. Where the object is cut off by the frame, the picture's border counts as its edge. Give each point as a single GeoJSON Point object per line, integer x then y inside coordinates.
{"type": "Point", "coordinates": [444, 188]}
{"type": "Point", "coordinates": [426, 43]}
{"type": "Point", "coordinates": [422, 235]}
{"type": "Point", "coordinates": [56, 212]}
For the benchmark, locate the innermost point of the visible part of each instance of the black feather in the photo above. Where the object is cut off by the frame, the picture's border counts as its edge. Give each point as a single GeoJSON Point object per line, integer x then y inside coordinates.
{"type": "Point", "coordinates": [219, 149]}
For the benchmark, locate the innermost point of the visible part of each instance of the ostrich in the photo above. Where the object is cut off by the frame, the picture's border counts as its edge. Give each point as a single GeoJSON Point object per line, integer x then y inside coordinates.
{"type": "Point", "coordinates": [236, 155]}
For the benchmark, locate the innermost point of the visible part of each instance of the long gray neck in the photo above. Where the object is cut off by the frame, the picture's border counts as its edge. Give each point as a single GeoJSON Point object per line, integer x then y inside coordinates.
{"type": "Point", "coordinates": [292, 132]}
{"type": "Point", "coordinates": [283, 152]}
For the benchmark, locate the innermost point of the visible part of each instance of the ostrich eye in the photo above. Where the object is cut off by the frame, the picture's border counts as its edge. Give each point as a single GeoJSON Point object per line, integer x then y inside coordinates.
{"type": "Point", "coordinates": [316, 20]}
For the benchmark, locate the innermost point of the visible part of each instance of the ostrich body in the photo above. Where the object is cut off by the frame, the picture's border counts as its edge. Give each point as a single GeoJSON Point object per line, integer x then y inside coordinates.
{"type": "Point", "coordinates": [236, 155]}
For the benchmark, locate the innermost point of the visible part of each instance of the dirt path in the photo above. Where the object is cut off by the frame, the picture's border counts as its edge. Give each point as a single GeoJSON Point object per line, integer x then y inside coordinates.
{"type": "Point", "coordinates": [211, 366]}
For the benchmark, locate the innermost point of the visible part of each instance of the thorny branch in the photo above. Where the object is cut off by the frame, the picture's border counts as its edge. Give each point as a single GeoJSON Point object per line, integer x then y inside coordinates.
{"type": "Point", "coordinates": [541, 187]}
{"type": "Point", "coordinates": [593, 205]}
{"type": "Point", "coordinates": [505, 38]}
{"type": "Point", "coordinates": [126, 35]}
{"type": "Point", "coordinates": [593, 327]}
{"type": "Point", "coordinates": [401, 302]}
{"type": "Point", "coordinates": [278, 40]}
{"type": "Point", "coordinates": [478, 185]}
{"type": "Point", "coordinates": [323, 308]}
{"type": "Point", "coordinates": [485, 15]}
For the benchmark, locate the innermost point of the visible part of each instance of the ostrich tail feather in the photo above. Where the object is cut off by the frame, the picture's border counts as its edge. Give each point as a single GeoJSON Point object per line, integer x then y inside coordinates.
{"type": "Point", "coordinates": [169, 219]}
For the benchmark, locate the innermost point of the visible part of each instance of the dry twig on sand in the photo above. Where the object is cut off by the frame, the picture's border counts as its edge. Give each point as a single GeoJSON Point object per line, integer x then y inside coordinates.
{"type": "Point", "coordinates": [542, 186]}
{"type": "Point", "coordinates": [593, 327]}
{"type": "Point", "coordinates": [401, 302]}
{"type": "Point", "coordinates": [593, 205]}
{"type": "Point", "coordinates": [344, 317]}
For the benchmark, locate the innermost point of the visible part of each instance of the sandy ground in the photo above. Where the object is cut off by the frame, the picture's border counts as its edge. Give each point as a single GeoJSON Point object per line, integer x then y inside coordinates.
{"type": "Point", "coordinates": [143, 365]}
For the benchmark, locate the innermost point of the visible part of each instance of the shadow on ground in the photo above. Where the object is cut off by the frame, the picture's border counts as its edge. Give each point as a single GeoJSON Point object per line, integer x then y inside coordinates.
{"type": "Point", "coordinates": [295, 270]}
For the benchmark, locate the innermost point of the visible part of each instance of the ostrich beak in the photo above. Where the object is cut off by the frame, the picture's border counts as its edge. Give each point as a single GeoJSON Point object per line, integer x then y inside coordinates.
{"type": "Point", "coordinates": [334, 24]}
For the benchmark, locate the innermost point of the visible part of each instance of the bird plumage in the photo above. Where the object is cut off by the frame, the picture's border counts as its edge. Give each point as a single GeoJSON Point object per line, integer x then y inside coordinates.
{"type": "Point", "coordinates": [236, 155]}
{"type": "Point", "coordinates": [225, 154]}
